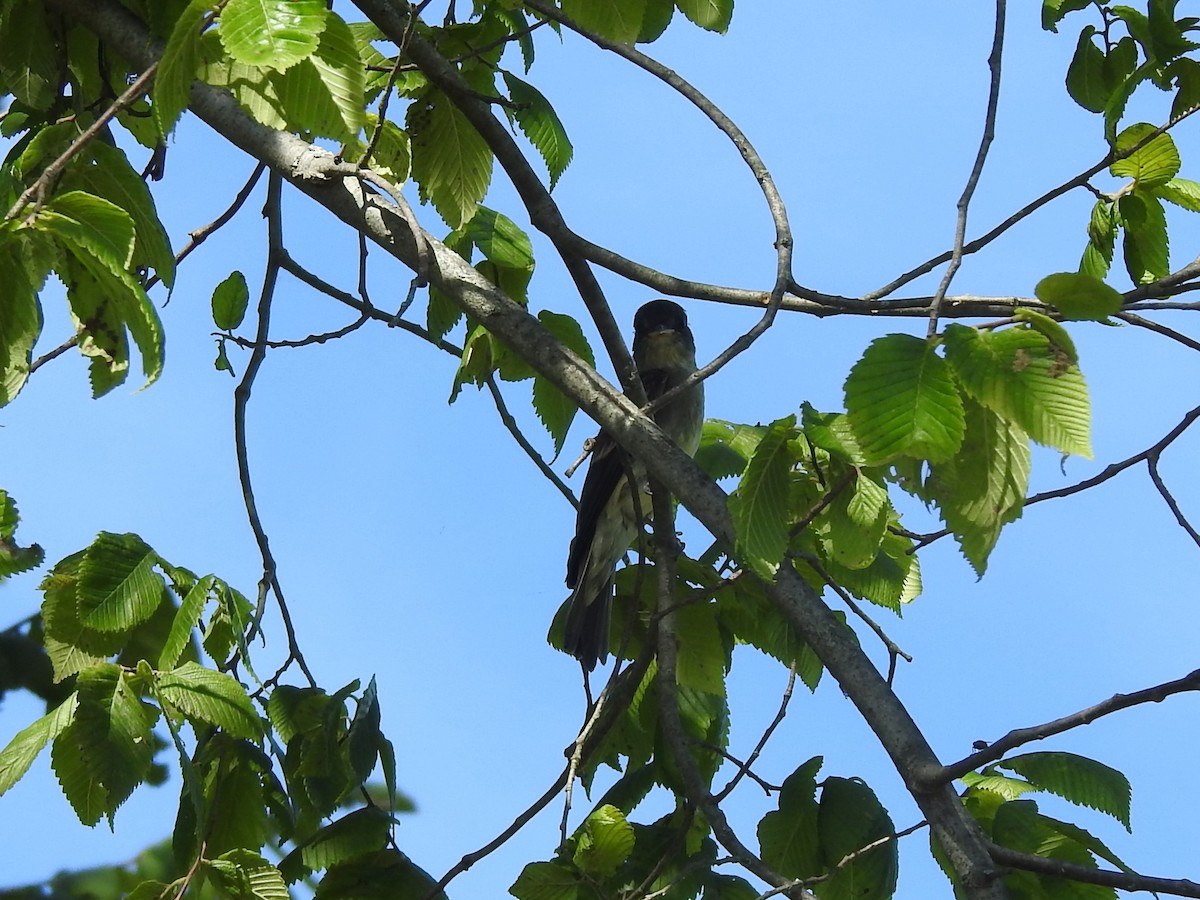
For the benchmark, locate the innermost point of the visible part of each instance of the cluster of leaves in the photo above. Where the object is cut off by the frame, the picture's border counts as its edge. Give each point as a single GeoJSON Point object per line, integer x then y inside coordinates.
{"type": "Point", "coordinates": [123, 629]}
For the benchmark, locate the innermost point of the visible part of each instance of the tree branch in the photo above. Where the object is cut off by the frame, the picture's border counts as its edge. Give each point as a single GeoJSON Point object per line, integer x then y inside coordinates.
{"type": "Point", "coordinates": [1180, 887]}
{"type": "Point", "coordinates": [964, 202]}
{"type": "Point", "coordinates": [1020, 736]}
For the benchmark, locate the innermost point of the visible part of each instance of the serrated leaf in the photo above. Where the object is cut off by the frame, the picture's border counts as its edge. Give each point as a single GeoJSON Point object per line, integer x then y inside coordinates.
{"type": "Point", "coordinates": [1002, 785]}
{"type": "Point", "coordinates": [106, 751]}
{"type": "Point", "coordinates": [1153, 164]}
{"type": "Point", "coordinates": [713, 15]}
{"type": "Point", "coordinates": [18, 755]}
{"type": "Point", "coordinates": [1079, 296]}
{"type": "Point", "coordinates": [210, 696]}
{"type": "Point", "coordinates": [702, 656]}
{"type": "Point", "coordinates": [452, 163]}
{"type": "Point", "coordinates": [546, 881]}
{"type": "Point", "coordinates": [725, 447]}
{"type": "Point", "coordinates": [340, 70]}
{"type": "Point", "coordinates": [378, 876]}
{"type": "Point", "coordinates": [983, 487]}
{"type": "Point", "coordinates": [1019, 375]}
{"type": "Point", "coordinates": [29, 65]}
{"type": "Point", "coordinates": [184, 624]}
{"type": "Point", "coordinates": [1053, 11]}
{"type": "Point", "coordinates": [1181, 192]}
{"type": "Point", "coordinates": [93, 225]}
{"type": "Point", "coordinates": [760, 506]}
{"type": "Point", "coordinates": [849, 819]}
{"type": "Point", "coordinates": [901, 400]}
{"type": "Point", "coordinates": [499, 239]}
{"type": "Point", "coordinates": [106, 173]}
{"type": "Point", "coordinates": [1085, 75]}
{"type": "Point", "coordinates": [272, 33]}
{"type": "Point", "coordinates": [1058, 336]}
{"type": "Point", "coordinates": [229, 301]}
{"type": "Point", "coordinates": [1145, 247]}
{"type": "Point", "coordinates": [245, 875]}
{"type": "Point", "coordinates": [20, 323]}
{"type": "Point", "coordinates": [364, 737]}
{"type": "Point", "coordinates": [788, 836]}
{"type": "Point", "coordinates": [832, 433]}
{"type": "Point", "coordinates": [603, 842]}
{"type": "Point", "coordinates": [178, 65]}
{"type": "Point", "coordinates": [1078, 779]}
{"type": "Point", "coordinates": [617, 20]}
{"type": "Point", "coordinates": [555, 410]}
{"type": "Point", "coordinates": [118, 587]}
{"type": "Point", "coordinates": [540, 124]}
{"type": "Point", "coordinates": [356, 834]}
{"type": "Point", "coordinates": [1018, 824]}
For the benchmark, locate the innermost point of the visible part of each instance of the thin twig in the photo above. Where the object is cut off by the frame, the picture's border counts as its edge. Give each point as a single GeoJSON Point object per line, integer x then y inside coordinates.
{"type": "Point", "coordinates": [523, 442]}
{"type": "Point", "coordinates": [1156, 477]}
{"type": "Point", "coordinates": [241, 394]}
{"type": "Point", "coordinates": [744, 768]}
{"type": "Point", "coordinates": [964, 202]}
{"type": "Point", "coordinates": [1020, 736]}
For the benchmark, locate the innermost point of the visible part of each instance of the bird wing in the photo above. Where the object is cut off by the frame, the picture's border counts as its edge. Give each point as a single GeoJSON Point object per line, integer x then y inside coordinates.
{"type": "Point", "coordinates": [606, 471]}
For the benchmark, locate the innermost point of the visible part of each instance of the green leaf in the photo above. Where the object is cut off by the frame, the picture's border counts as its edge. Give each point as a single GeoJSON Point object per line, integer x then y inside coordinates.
{"type": "Point", "coordinates": [983, 487]}
{"type": "Point", "coordinates": [1053, 11]}
{"type": "Point", "coordinates": [364, 831]}
{"type": "Point", "coordinates": [1055, 333]}
{"type": "Point", "coordinates": [713, 15]}
{"type": "Point", "coordinates": [555, 410]}
{"type": "Point", "coordinates": [725, 447]}
{"type": "Point", "coordinates": [760, 506]}
{"type": "Point", "coordinates": [178, 65]}
{"type": "Point", "coordinates": [1086, 82]}
{"type": "Point", "coordinates": [229, 301]}
{"type": "Point", "coordinates": [1002, 785]}
{"type": "Point", "coordinates": [603, 842]}
{"type": "Point", "coordinates": [788, 836]}
{"type": "Point", "coordinates": [832, 433]}
{"type": "Point", "coordinates": [105, 171]}
{"type": "Point", "coordinates": [29, 65]}
{"type": "Point", "coordinates": [702, 655]}
{"type": "Point", "coordinates": [1145, 245]}
{"type": "Point", "coordinates": [392, 157]}
{"type": "Point", "coordinates": [1021, 376]}
{"type": "Point", "coordinates": [91, 226]}
{"type": "Point", "coordinates": [20, 322]}
{"type": "Point", "coordinates": [753, 620]}
{"type": "Point", "coordinates": [210, 696]}
{"type": "Point", "coordinates": [849, 819]}
{"type": "Point", "coordinates": [547, 881]}
{"type": "Point", "coordinates": [617, 20]}
{"type": "Point", "coordinates": [1151, 165]}
{"type": "Point", "coordinates": [378, 876]}
{"type": "Point", "coordinates": [1079, 296]}
{"type": "Point", "coordinates": [184, 623]}
{"type": "Point", "coordinates": [272, 33]}
{"type": "Point", "coordinates": [1181, 192]}
{"type": "Point", "coordinates": [902, 401]}
{"type": "Point", "coordinates": [19, 754]}
{"type": "Point", "coordinates": [1078, 779]}
{"type": "Point", "coordinates": [364, 738]}
{"type": "Point", "coordinates": [856, 521]}
{"type": "Point", "coordinates": [1017, 824]}
{"type": "Point", "coordinates": [452, 163]}
{"type": "Point", "coordinates": [340, 70]}
{"type": "Point", "coordinates": [118, 587]}
{"type": "Point", "coordinates": [244, 875]}
{"type": "Point", "coordinates": [106, 751]}
{"type": "Point", "coordinates": [499, 239]}
{"type": "Point", "coordinates": [540, 124]}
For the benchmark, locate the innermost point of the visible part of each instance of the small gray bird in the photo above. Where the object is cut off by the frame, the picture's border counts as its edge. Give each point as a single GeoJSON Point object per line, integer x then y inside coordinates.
{"type": "Point", "coordinates": [665, 354]}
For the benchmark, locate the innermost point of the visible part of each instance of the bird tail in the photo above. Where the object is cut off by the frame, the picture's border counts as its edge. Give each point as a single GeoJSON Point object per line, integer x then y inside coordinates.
{"type": "Point", "coordinates": [587, 627]}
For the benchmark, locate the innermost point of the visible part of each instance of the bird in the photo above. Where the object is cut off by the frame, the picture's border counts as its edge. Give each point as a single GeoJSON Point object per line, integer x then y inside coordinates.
{"type": "Point", "coordinates": [609, 516]}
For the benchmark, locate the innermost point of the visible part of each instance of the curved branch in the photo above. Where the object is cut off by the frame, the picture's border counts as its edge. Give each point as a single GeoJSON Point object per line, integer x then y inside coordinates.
{"type": "Point", "coordinates": [985, 143]}
{"type": "Point", "coordinates": [1020, 736]}
{"type": "Point", "coordinates": [1180, 887]}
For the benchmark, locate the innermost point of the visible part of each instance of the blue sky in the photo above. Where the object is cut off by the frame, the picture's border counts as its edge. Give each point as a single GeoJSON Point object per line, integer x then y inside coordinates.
{"type": "Point", "coordinates": [416, 542]}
